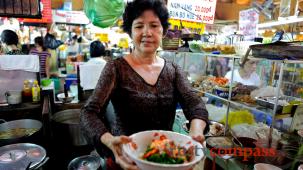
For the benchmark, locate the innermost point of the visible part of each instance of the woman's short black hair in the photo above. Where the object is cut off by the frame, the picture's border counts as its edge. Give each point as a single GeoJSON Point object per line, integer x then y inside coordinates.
{"type": "Point", "coordinates": [39, 41]}
{"type": "Point", "coordinates": [9, 37]}
{"type": "Point", "coordinates": [97, 49]}
{"type": "Point", "coordinates": [136, 8]}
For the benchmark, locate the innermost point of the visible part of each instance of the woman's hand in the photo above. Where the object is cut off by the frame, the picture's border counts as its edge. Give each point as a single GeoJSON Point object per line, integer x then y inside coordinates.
{"type": "Point", "coordinates": [197, 127]}
{"type": "Point", "coordinates": [114, 143]}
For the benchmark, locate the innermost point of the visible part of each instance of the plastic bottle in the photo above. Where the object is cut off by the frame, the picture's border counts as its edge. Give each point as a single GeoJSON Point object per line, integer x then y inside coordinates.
{"type": "Point", "coordinates": [36, 92]}
{"type": "Point", "coordinates": [26, 92]}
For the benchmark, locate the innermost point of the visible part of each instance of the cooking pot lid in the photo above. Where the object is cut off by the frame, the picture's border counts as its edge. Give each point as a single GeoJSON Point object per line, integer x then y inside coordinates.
{"type": "Point", "coordinates": [20, 155]}
{"type": "Point", "coordinates": [87, 162]}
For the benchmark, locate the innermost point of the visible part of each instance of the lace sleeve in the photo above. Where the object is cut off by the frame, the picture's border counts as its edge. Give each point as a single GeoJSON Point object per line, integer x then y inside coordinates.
{"type": "Point", "coordinates": [192, 105]}
{"type": "Point", "coordinates": [92, 117]}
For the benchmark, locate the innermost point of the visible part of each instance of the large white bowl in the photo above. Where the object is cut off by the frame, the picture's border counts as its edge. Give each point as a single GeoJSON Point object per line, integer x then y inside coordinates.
{"type": "Point", "coordinates": [264, 166]}
{"type": "Point", "coordinates": [143, 139]}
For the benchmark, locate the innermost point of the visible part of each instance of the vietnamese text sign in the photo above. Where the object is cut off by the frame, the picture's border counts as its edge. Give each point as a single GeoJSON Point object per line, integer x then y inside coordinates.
{"type": "Point", "coordinates": [248, 20]}
{"type": "Point", "coordinates": [192, 10]}
{"type": "Point", "coordinates": [70, 17]}
{"type": "Point", "coordinates": [194, 27]}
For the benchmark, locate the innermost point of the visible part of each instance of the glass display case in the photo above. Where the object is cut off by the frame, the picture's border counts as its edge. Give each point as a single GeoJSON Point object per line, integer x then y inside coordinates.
{"type": "Point", "coordinates": [262, 109]}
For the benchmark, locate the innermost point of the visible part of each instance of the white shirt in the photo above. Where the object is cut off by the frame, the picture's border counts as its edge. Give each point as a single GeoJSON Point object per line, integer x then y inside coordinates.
{"type": "Point", "coordinates": [97, 60]}
{"type": "Point", "coordinates": [253, 80]}
{"type": "Point", "coordinates": [90, 72]}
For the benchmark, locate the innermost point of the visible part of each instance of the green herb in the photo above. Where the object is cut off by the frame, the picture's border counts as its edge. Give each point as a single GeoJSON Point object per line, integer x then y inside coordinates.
{"type": "Point", "coordinates": [164, 159]}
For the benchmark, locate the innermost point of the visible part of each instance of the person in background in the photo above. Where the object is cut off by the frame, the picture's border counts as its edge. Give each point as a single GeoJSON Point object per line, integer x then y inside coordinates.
{"type": "Point", "coordinates": [10, 42]}
{"type": "Point", "coordinates": [73, 46]}
{"type": "Point", "coordinates": [1, 49]}
{"type": "Point", "coordinates": [97, 52]}
{"type": "Point", "coordinates": [44, 57]}
{"type": "Point", "coordinates": [143, 88]}
{"type": "Point", "coordinates": [246, 74]}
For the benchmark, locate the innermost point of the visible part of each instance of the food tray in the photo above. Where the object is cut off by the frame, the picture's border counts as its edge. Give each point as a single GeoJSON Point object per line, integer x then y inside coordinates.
{"type": "Point", "coordinates": [262, 101]}
{"type": "Point", "coordinates": [268, 102]}
{"type": "Point", "coordinates": [278, 50]}
{"type": "Point", "coordinates": [170, 43]}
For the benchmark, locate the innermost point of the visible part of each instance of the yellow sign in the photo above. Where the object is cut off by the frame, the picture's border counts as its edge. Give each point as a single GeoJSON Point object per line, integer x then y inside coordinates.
{"type": "Point", "coordinates": [123, 43]}
{"type": "Point", "coordinates": [194, 27]}
{"type": "Point", "coordinates": [103, 37]}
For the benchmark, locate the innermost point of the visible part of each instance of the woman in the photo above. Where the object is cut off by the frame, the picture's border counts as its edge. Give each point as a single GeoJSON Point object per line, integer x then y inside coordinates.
{"type": "Point", "coordinates": [143, 88]}
{"type": "Point", "coordinates": [44, 57]}
{"type": "Point", "coordinates": [97, 52]}
{"type": "Point", "coordinates": [10, 41]}
{"type": "Point", "coordinates": [246, 74]}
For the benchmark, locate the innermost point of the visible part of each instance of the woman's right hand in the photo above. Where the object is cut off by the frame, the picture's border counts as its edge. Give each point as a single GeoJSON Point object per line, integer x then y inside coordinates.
{"type": "Point", "coordinates": [114, 143]}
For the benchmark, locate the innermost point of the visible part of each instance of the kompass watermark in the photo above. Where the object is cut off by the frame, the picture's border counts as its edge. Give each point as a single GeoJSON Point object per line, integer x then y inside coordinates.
{"type": "Point", "coordinates": [240, 152]}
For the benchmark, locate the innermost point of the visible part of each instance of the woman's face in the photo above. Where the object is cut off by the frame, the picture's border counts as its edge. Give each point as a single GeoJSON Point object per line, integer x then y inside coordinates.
{"type": "Point", "coordinates": [147, 32]}
{"type": "Point", "coordinates": [250, 66]}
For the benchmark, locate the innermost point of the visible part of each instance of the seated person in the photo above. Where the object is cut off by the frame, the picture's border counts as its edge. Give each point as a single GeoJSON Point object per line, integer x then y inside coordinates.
{"type": "Point", "coordinates": [10, 42]}
{"type": "Point", "coordinates": [94, 66]}
{"type": "Point", "coordinates": [246, 74]}
{"type": "Point", "coordinates": [97, 52]}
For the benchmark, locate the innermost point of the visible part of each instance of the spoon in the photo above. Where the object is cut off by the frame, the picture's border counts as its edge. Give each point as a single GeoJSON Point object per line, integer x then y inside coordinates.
{"type": "Point", "coordinates": [234, 136]}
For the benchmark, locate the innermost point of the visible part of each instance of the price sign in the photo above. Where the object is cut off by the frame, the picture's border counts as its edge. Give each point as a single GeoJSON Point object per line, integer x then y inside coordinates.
{"type": "Point", "coordinates": [192, 10]}
{"type": "Point", "coordinates": [194, 27]}
{"type": "Point", "coordinates": [248, 20]}
{"type": "Point", "coordinates": [103, 37]}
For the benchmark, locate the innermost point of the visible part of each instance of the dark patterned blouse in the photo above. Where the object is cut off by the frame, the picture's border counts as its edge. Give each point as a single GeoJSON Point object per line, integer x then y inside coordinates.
{"type": "Point", "coordinates": [138, 105]}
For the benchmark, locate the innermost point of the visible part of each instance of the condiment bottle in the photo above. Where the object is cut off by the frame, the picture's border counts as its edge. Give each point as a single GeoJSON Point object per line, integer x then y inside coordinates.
{"type": "Point", "coordinates": [26, 92]}
{"type": "Point", "coordinates": [36, 92]}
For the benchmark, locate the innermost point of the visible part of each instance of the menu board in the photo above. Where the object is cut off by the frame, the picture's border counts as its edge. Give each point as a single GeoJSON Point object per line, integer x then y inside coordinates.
{"type": "Point", "coordinates": [20, 8]}
{"type": "Point", "coordinates": [248, 20]}
{"type": "Point", "coordinates": [46, 9]}
{"type": "Point", "coordinates": [192, 10]}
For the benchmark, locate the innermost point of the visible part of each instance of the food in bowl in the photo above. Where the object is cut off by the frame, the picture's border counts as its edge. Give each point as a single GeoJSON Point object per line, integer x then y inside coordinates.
{"type": "Point", "coordinates": [17, 132]}
{"type": "Point", "coordinates": [142, 140]}
{"type": "Point", "coordinates": [62, 98]}
{"type": "Point", "coordinates": [166, 151]}
{"type": "Point", "coordinates": [215, 129]}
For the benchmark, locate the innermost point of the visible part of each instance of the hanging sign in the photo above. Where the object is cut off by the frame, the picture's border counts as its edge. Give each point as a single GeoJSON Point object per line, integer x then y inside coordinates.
{"type": "Point", "coordinates": [248, 20]}
{"type": "Point", "coordinates": [103, 37]}
{"type": "Point", "coordinates": [70, 17]}
{"type": "Point", "coordinates": [46, 10]}
{"type": "Point", "coordinates": [194, 27]}
{"type": "Point", "coordinates": [192, 10]}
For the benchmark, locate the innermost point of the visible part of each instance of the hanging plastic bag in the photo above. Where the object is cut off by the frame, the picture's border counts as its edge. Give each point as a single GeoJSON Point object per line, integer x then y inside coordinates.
{"type": "Point", "coordinates": [103, 13]}
{"type": "Point", "coordinates": [51, 42]}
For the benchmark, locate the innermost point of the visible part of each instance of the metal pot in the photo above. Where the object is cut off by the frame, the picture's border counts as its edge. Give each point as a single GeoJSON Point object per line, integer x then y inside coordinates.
{"type": "Point", "coordinates": [17, 131]}
{"type": "Point", "coordinates": [66, 126]}
{"type": "Point", "coordinates": [13, 96]}
{"type": "Point", "coordinates": [90, 162]}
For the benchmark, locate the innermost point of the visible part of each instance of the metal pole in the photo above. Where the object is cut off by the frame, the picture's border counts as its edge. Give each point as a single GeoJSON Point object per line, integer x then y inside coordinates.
{"type": "Point", "coordinates": [276, 103]}
{"type": "Point", "coordinates": [229, 95]}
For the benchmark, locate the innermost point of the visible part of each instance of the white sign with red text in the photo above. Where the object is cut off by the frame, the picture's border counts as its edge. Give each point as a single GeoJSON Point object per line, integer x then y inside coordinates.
{"type": "Point", "coordinates": [192, 10]}
{"type": "Point", "coordinates": [248, 20]}
{"type": "Point", "coordinates": [70, 17]}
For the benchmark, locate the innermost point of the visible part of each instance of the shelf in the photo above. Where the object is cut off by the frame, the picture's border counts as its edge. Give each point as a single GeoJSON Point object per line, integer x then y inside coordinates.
{"type": "Point", "coordinates": [234, 56]}
{"type": "Point", "coordinates": [236, 104]}
{"type": "Point", "coordinates": [284, 21]}
{"type": "Point", "coordinates": [222, 55]}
